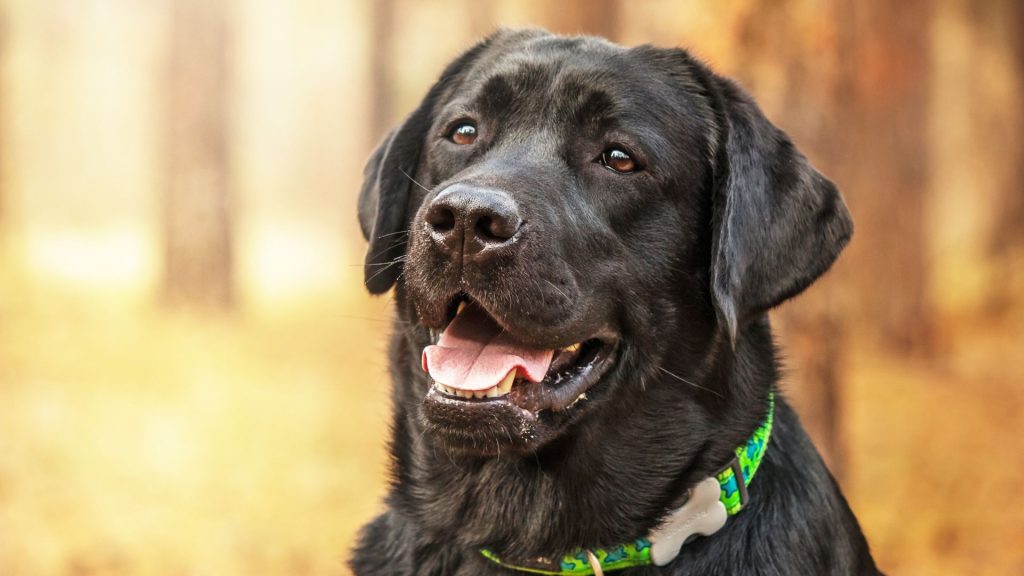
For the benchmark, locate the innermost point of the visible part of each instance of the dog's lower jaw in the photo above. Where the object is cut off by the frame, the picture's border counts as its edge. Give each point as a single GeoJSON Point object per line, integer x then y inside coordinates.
{"type": "Point", "coordinates": [529, 417]}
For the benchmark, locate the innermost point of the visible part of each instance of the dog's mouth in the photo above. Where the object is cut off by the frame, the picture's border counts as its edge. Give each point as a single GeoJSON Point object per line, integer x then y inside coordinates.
{"type": "Point", "coordinates": [476, 361]}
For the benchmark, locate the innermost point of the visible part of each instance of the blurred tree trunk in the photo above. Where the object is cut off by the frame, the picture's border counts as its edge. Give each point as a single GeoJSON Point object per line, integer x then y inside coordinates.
{"type": "Point", "coordinates": [857, 101]}
{"type": "Point", "coordinates": [197, 206]}
{"type": "Point", "coordinates": [1008, 240]}
{"type": "Point", "coordinates": [887, 168]}
{"type": "Point", "coordinates": [3, 140]}
{"type": "Point", "coordinates": [1012, 227]}
{"type": "Point", "coordinates": [856, 95]}
{"type": "Point", "coordinates": [1015, 220]}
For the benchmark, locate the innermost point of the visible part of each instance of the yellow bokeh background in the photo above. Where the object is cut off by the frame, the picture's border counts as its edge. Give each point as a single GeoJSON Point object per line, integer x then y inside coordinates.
{"type": "Point", "coordinates": [138, 438]}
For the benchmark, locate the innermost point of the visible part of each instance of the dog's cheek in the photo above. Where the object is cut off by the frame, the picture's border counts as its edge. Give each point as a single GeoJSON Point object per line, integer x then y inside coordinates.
{"type": "Point", "coordinates": [444, 161]}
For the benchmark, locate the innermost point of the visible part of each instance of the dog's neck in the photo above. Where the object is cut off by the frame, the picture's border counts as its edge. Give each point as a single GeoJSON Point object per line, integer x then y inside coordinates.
{"type": "Point", "coordinates": [595, 487]}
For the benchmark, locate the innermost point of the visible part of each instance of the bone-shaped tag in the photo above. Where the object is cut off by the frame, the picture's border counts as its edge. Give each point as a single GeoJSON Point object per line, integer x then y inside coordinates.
{"type": "Point", "coordinates": [702, 514]}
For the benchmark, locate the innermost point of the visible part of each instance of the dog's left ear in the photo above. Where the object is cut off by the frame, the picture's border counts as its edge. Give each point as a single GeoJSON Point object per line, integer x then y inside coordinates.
{"type": "Point", "coordinates": [778, 223]}
{"type": "Point", "coordinates": [384, 198]}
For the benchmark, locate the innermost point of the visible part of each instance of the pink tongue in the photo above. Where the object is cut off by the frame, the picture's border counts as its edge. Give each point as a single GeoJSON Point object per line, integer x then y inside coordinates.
{"type": "Point", "coordinates": [474, 353]}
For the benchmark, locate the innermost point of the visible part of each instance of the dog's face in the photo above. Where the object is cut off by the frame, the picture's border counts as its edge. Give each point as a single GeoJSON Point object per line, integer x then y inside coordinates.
{"type": "Point", "coordinates": [569, 222]}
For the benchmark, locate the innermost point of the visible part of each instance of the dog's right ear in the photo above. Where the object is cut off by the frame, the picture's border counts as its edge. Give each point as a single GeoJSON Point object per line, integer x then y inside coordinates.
{"type": "Point", "coordinates": [384, 209]}
{"type": "Point", "coordinates": [779, 224]}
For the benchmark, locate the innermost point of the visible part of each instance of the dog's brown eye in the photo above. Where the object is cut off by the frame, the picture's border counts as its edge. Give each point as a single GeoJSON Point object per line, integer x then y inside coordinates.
{"type": "Point", "coordinates": [618, 160]}
{"type": "Point", "coordinates": [464, 134]}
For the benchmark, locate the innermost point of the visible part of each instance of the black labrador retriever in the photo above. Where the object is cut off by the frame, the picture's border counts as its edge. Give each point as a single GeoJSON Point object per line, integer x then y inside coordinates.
{"type": "Point", "coordinates": [584, 242]}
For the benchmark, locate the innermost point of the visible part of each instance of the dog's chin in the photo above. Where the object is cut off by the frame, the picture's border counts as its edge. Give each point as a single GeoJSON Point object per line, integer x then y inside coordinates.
{"type": "Point", "coordinates": [529, 417]}
{"type": "Point", "coordinates": [527, 408]}
{"type": "Point", "coordinates": [471, 430]}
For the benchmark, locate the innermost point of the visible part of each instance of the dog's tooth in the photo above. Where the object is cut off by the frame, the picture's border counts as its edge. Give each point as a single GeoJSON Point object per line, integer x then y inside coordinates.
{"type": "Point", "coordinates": [492, 392]}
{"type": "Point", "coordinates": [572, 348]}
{"type": "Point", "coordinates": [505, 386]}
{"type": "Point", "coordinates": [461, 306]}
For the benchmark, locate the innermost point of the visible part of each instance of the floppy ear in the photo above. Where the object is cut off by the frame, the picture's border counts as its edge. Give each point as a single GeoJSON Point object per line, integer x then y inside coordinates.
{"type": "Point", "coordinates": [779, 224]}
{"type": "Point", "coordinates": [370, 191]}
{"type": "Point", "coordinates": [384, 209]}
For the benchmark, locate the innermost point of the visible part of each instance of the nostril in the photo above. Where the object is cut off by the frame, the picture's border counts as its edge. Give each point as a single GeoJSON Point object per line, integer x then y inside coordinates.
{"type": "Point", "coordinates": [496, 228]}
{"type": "Point", "coordinates": [441, 219]}
{"type": "Point", "coordinates": [484, 229]}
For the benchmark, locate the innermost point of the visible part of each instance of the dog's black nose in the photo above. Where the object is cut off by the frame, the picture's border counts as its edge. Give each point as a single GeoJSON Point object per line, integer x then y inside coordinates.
{"type": "Point", "coordinates": [472, 219]}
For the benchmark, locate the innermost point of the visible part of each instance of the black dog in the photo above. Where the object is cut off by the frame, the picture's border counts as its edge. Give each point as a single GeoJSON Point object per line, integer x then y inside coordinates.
{"type": "Point", "coordinates": [584, 241]}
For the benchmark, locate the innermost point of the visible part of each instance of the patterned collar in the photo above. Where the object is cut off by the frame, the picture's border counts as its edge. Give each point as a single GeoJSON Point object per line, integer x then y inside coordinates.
{"type": "Point", "coordinates": [711, 501]}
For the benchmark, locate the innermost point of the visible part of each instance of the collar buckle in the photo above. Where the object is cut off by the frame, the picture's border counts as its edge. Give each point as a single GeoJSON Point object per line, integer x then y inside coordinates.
{"type": "Point", "coordinates": [741, 480]}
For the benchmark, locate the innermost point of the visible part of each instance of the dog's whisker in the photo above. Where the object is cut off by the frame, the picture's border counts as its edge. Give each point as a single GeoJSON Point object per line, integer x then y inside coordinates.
{"type": "Point", "coordinates": [557, 289]}
{"type": "Point", "coordinates": [694, 384]}
{"type": "Point", "coordinates": [392, 233]}
{"type": "Point", "coordinates": [381, 271]}
{"type": "Point", "coordinates": [392, 245]}
{"type": "Point", "coordinates": [406, 174]}
{"type": "Point", "coordinates": [395, 261]}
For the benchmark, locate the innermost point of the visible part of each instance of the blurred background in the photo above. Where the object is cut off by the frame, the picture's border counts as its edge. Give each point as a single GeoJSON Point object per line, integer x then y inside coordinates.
{"type": "Point", "coordinates": [192, 380]}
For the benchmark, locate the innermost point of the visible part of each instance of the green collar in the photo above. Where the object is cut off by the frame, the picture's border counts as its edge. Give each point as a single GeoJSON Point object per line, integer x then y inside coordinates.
{"type": "Point", "coordinates": [702, 514]}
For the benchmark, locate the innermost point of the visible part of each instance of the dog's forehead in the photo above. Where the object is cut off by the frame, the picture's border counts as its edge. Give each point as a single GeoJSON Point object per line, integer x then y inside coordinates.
{"type": "Point", "coordinates": [557, 71]}
{"type": "Point", "coordinates": [582, 81]}
{"type": "Point", "coordinates": [552, 53]}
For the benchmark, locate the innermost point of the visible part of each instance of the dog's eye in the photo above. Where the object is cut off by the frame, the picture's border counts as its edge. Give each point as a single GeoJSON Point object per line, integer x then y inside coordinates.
{"type": "Point", "coordinates": [463, 134]}
{"type": "Point", "coordinates": [618, 160]}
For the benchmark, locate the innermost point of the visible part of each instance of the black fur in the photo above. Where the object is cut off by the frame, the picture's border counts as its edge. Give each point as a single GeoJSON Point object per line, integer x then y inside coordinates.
{"type": "Point", "coordinates": [679, 261]}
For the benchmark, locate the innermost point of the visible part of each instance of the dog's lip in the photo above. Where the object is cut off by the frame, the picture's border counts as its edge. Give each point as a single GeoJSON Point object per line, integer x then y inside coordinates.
{"type": "Point", "coordinates": [557, 392]}
{"type": "Point", "coordinates": [484, 405]}
{"type": "Point", "coordinates": [572, 388]}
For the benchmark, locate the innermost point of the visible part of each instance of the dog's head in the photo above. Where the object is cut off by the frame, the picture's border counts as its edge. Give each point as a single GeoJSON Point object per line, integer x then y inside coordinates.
{"type": "Point", "coordinates": [570, 223]}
